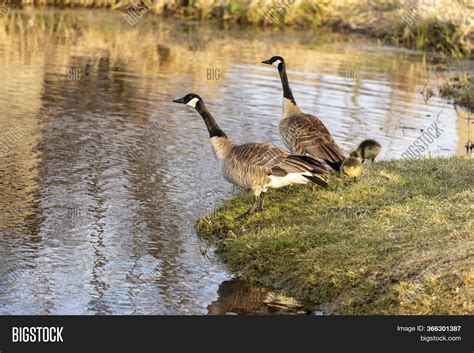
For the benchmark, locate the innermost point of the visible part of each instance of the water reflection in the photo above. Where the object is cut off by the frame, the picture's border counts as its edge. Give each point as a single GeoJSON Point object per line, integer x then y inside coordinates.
{"type": "Point", "coordinates": [238, 297]}
{"type": "Point", "coordinates": [137, 170]}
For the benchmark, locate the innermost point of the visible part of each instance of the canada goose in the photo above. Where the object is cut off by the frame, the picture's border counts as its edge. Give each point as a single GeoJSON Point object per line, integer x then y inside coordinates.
{"type": "Point", "coordinates": [256, 166]}
{"type": "Point", "coordinates": [304, 133]}
{"type": "Point", "coordinates": [367, 149]}
{"type": "Point", "coordinates": [351, 167]}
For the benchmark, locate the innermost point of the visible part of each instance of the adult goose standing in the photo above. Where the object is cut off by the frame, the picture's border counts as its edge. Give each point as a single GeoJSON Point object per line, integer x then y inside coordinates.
{"type": "Point", "coordinates": [304, 133]}
{"type": "Point", "coordinates": [256, 166]}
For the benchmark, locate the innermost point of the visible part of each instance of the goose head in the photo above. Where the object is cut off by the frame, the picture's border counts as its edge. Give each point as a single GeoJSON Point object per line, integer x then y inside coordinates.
{"type": "Point", "coordinates": [190, 99]}
{"type": "Point", "coordinates": [193, 100]}
{"type": "Point", "coordinates": [275, 61]}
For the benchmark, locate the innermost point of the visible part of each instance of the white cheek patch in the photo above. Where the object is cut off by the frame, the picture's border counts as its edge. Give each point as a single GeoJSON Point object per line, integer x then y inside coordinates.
{"type": "Point", "coordinates": [192, 102]}
{"type": "Point", "coordinates": [276, 63]}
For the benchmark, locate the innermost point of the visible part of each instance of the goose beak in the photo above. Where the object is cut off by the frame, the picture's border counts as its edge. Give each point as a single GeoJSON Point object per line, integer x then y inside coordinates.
{"type": "Point", "coordinates": [268, 62]}
{"type": "Point", "coordinates": [179, 100]}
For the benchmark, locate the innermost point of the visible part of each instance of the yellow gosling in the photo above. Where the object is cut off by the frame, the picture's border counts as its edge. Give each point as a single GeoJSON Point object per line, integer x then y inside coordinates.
{"type": "Point", "coordinates": [351, 167]}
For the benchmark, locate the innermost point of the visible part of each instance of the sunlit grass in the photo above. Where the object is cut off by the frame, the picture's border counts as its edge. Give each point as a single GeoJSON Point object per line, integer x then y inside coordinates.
{"type": "Point", "coordinates": [431, 34]}
{"type": "Point", "coordinates": [399, 241]}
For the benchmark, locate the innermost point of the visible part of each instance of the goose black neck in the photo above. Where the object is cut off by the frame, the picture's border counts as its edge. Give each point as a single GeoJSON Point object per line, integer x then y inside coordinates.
{"type": "Point", "coordinates": [284, 82]}
{"type": "Point", "coordinates": [212, 127]}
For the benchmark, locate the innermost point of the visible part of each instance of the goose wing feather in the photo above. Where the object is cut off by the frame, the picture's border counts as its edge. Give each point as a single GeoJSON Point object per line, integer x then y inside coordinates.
{"type": "Point", "coordinates": [250, 164]}
{"type": "Point", "coordinates": [305, 133]}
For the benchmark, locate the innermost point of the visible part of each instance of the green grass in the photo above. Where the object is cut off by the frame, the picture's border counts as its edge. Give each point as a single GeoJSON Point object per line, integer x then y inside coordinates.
{"type": "Point", "coordinates": [431, 34]}
{"type": "Point", "coordinates": [397, 241]}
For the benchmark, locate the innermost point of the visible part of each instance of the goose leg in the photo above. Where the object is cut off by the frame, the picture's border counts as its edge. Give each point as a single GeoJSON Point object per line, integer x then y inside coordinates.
{"type": "Point", "coordinates": [256, 202]}
{"type": "Point", "coordinates": [260, 203]}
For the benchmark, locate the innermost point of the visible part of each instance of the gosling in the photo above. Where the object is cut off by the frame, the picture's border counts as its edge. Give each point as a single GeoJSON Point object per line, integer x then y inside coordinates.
{"type": "Point", "coordinates": [368, 149]}
{"type": "Point", "coordinates": [351, 167]}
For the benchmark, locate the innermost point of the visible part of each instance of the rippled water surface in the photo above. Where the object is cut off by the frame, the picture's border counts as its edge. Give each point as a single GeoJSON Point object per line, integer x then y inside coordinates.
{"type": "Point", "coordinates": [103, 178]}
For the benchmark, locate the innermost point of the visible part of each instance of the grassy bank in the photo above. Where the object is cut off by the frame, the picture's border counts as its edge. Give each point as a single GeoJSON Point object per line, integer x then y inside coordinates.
{"type": "Point", "coordinates": [398, 241]}
{"type": "Point", "coordinates": [443, 26]}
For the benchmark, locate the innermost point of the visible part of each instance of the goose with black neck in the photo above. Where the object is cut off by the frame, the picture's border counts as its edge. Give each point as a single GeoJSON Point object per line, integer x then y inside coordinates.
{"type": "Point", "coordinates": [256, 166]}
{"type": "Point", "coordinates": [304, 133]}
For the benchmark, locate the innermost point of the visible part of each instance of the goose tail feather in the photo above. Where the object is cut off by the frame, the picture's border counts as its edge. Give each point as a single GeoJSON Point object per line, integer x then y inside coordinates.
{"type": "Point", "coordinates": [317, 180]}
{"type": "Point", "coordinates": [334, 165]}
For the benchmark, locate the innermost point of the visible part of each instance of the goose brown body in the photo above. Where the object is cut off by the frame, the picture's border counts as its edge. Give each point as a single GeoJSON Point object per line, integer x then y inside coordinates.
{"type": "Point", "coordinates": [260, 166]}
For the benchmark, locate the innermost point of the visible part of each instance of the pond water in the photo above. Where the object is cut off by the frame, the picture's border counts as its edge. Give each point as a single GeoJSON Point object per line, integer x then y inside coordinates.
{"type": "Point", "coordinates": [102, 177]}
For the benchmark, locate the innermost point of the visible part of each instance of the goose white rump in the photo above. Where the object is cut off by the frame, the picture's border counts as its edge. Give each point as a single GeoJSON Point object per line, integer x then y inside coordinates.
{"type": "Point", "coordinates": [292, 178]}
